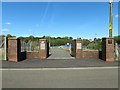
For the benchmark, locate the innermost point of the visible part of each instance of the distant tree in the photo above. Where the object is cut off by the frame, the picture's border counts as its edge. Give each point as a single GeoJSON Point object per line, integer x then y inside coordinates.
{"type": "Point", "coordinates": [85, 42]}
{"type": "Point", "coordinates": [10, 36]}
{"type": "Point", "coordinates": [43, 37]}
{"type": "Point", "coordinates": [54, 41]}
{"type": "Point", "coordinates": [117, 39]}
{"type": "Point", "coordinates": [95, 44]}
{"type": "Point", "coordinates": [58, 37]}
{"type": "Point", "coordinates": [31, 38]}
{"type": "Point", "coordinates": [71, 38]}
{"type": "Point", "coordinates": [21, 38]}
{"type": "Point", "coordinates": [79, 38]}
{"type": "Point", "coordinates": [2, 35]}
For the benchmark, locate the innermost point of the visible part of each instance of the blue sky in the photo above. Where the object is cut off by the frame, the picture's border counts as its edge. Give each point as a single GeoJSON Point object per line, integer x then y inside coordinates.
{"type": "Point", "coordinates": [79, 19]}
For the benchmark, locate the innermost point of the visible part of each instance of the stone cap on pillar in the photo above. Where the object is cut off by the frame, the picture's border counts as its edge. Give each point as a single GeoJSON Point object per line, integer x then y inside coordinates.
{"type": "Point", "coordinates": [42, 39]}
{"type": "Point", "coordinates": [79, 40]}
{"type": "Point", "coordinates": [107, 38]}
{"type": "Point", "coordinates": [13, 38]}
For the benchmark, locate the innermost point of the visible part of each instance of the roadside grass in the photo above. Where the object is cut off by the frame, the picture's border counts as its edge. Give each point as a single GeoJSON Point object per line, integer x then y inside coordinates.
{"type": "Point", "coordinates": [2, 56]}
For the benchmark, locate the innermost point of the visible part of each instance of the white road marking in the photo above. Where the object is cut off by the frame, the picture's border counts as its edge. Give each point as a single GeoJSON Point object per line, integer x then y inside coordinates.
{"type": "Point", "coordinates": [80, 68]}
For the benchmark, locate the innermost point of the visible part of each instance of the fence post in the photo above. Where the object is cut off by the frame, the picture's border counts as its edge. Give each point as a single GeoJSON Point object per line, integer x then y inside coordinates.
{"type": "Point", "coordinates": [108, 49]}
{"type": "Point", "coordinates": [14, 49]}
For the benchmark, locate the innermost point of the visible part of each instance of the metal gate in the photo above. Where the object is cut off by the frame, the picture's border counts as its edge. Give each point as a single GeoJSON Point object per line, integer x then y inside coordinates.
{"type": "Point", "coordinates": [3, 54]}
{"type": "Point", "coordinates": [117, 51]}
{"type": "Point", "coordinates": [30, 46]}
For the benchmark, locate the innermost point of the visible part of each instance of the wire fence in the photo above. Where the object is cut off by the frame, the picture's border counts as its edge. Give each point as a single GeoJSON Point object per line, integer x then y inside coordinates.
{"type": "Point", "coordinates": [117, 51]}
{"type": "Point", "coordinates": [29, 46]}
{"type": "Point", "coordinates": [91, 48]}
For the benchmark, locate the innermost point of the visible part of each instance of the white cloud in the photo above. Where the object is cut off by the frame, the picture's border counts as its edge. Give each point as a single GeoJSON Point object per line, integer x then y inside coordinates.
{"type": "Point", "coordinates": [116, 16]}
{"type": "Point", "coordinates": [8, 23]}
{"type": "Point", "coordinates": [5, 30]}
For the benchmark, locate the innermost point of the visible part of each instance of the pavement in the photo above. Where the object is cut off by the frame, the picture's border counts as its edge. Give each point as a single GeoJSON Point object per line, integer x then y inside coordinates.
{"type": "Point", "coordinates": [61, 78]}
{"type": "Point", "coordinates": [58, 63]}
{"type": "Point", "coordinates": [59, 58]}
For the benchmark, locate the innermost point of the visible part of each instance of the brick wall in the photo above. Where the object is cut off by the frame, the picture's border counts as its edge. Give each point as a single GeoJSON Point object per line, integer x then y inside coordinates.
{"type": "Point", "coordinates": [42, 53]}
{"type": "Point", "coordinates": [108, 49]}
{"type": "Point", "coordinates": [79, 53]}
{"type": "Point", "coordinates": [73, 48]}
{"type": "Point", "coordinates": [13, 49]}
{"type": "Point", "coordinates": [79, 49]}
{"type": "Point", "coordinates": [90, 54]}
{"type": "Point", "coordinates": [32, 55]}
{"type": "Point", "coordinates": [44, 49]}
{"type": "Point", "coordinates": [22, 56]}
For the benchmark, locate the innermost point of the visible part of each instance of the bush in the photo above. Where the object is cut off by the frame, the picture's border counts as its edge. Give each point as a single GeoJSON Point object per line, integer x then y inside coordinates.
{"type": "Point", "coordinates": [95, 46]}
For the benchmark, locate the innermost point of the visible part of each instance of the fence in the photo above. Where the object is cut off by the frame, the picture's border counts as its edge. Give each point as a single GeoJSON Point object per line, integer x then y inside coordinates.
{"type": "Point", "coordinates": [92, 46]}
{"type": "Point", "coordinates": [3, 48]}
{"type": "Point", "coordinates": [29, 46]}
{"type": "Point", "coordinates": [117, 51]}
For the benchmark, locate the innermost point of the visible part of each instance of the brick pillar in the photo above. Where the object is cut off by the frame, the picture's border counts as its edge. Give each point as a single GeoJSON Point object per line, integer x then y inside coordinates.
{"type": "Point", "coordinates": [43, 51]}
{"type": "Point", "coordinates": [73, 48]}
{"type": "Point", "coordinates": [14, 49]}
{"type": "Point", "coordinates": [78, 49]}
{"type": "Point", "coordinates": [108, 49]}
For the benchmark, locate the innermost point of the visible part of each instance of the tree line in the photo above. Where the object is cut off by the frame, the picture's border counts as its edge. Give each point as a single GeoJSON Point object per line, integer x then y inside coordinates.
{"type": "Point", "coordinates": [54, 41]}
{"type": "Point", "coordinates": [96, 43]}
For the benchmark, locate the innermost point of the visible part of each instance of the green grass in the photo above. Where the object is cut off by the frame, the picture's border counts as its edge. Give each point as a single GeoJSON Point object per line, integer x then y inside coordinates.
{"type": "Point", "coordinates": [2, 57]}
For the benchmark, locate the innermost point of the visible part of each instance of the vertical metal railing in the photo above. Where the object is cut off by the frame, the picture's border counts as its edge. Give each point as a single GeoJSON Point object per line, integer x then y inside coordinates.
{"type": "Point", "coordinates": [117, 51]}
{"type": "Point", "coordinates": [29, 46]}
{"type": "Point", "coordinates": [3, 48]}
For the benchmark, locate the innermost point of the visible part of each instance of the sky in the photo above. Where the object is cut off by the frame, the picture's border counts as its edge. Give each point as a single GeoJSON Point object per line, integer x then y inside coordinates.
{"type": "Point", "coordinates": [58, 19]}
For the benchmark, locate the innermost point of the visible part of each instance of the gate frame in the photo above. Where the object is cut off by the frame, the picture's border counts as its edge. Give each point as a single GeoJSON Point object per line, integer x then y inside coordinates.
{"type": "Point", "coordinates": [4, 49]}
{"type": "Point", "coordinates": [107, 49]}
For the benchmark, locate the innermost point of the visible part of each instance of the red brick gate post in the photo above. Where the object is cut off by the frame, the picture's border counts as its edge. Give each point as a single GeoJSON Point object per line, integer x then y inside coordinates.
{"type": "Point", "coordinates": [108, 49]}
{"type": "Point", "coordinates": [78, 49]}
{"type": "Point", "coordinates": [44, 49]}
{"type": "Point", "coordinates": [73, 48]}
{"type": "Point", "coordinates": [14, 49]}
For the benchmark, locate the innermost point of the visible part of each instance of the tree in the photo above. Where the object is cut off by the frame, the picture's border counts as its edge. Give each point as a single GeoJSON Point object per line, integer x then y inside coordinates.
{"type": "Point", "coordinates": [10, 36]}
{"type": "Point", "coordinates": [71, 38]}
{"type": "Point", "coordinates": [2, 35]}
{"type": "Point", "coordinates": [117, 39]}
{"type": "Point", "coordinates": [85, 42]}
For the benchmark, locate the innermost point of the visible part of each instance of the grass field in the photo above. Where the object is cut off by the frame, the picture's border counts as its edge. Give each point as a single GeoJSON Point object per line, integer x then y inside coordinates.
{"type": "Point", "coordinates": [2, 56]}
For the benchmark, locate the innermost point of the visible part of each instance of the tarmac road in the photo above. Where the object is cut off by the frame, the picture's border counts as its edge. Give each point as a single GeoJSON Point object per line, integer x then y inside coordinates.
{"type": "Point", "coordinates": [59, 73]}
{"type": "Point", "coordinates": [101, 77]}
{"type": "Point", "coordinates": [60, 53]}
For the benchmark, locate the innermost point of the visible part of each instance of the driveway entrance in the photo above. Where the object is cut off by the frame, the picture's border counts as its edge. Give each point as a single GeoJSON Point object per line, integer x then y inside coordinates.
{"type": "Point", "coordinates": [60, 53]}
